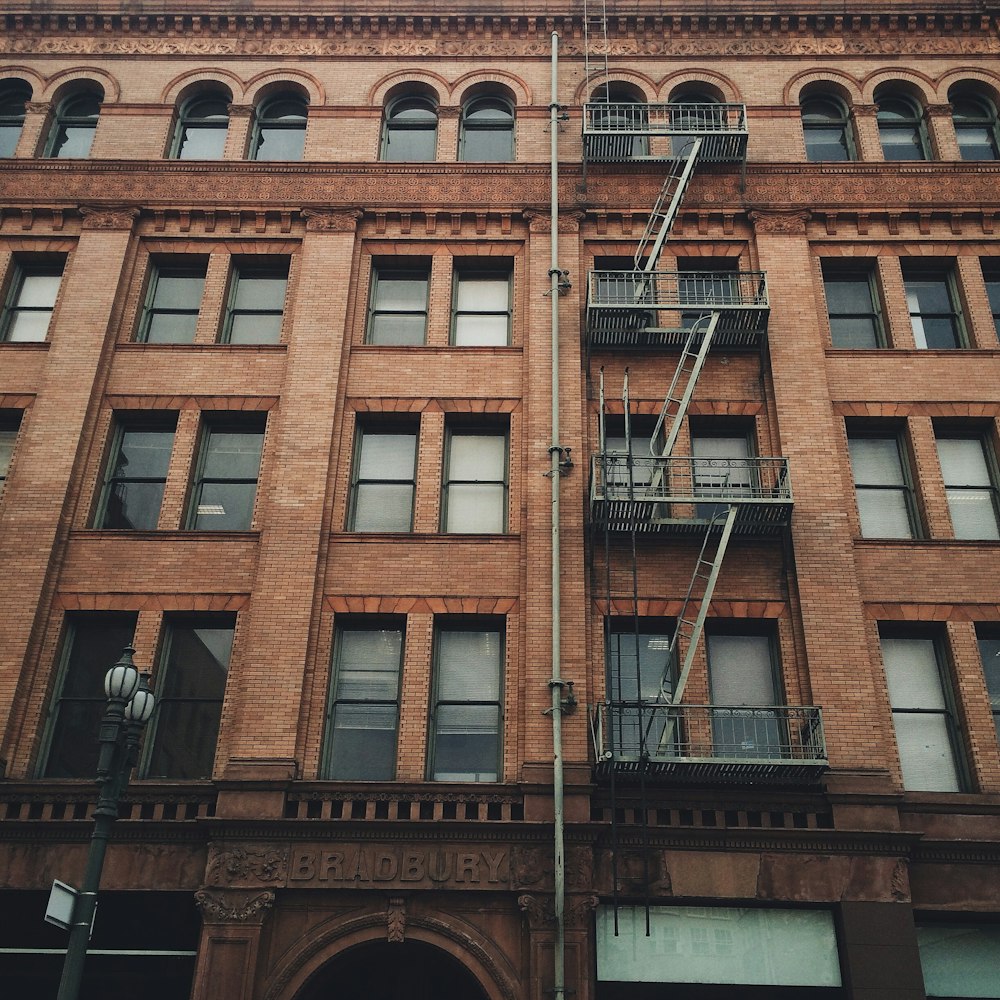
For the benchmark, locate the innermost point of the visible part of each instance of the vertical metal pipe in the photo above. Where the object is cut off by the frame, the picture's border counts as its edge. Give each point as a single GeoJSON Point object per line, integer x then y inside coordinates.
{"type": "Point", "coordinates": [555, 456]}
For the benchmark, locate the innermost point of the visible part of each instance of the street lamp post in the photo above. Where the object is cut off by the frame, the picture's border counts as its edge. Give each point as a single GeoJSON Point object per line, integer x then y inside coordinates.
{"type": "Point", "coordinates": [130, 704]}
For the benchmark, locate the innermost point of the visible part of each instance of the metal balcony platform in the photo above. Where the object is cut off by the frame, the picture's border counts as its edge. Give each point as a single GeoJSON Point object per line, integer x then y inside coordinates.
{"type": "Point", "coordinates": [636, 133]}
{"type": "Point", "coordinates": [679, 495]}
{"type": "Point", "coordinates": [639, 310]}
{"type": "Point", "coordinates": [709, 744]}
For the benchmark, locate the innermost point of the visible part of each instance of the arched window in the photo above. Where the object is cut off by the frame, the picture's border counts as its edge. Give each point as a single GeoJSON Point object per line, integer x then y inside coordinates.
{"type": "Point", "coordinates": [280, 129]}
{"type": "Point", "coordinates": [201, 128]}
{"type": "Point", "coordinates": [623, 125]}
{"type": "Point", "coordinates": [975, 119]}
{"type": "Point", "coordinates": [14, 94]}
{"type": "Point", "coordinates": [72, 131]}
{"type": "Point", "coordinates": [826, 125]}
{"type": "Point", "coordinates": [410, 132]}
{"type": "Point", "coordinates": [901, 128]}
{"type": "Point", "coordinates": [487, 131]}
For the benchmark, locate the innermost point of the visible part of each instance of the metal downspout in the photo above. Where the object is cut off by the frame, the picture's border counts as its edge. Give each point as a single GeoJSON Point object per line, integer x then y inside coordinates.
{"type": "Point", "coordinates": [555, 474]}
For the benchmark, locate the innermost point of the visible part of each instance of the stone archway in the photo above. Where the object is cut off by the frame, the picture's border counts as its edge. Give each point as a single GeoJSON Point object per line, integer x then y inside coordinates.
{"type": "Point", "coordinates": [378, 970]}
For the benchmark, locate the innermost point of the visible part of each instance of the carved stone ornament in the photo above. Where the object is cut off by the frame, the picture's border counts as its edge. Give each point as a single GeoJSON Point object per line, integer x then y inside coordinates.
{"type": "Point", "coordinates": [119, 217]}
{"type": "Point", "coordinates": [938, 110]}
{"type": "Point", "coordinates": [538, 222]}
{"type": "Point", "coordinates": [240, 110]}
{"type": "Point", "coordinates": [395, 917]}
{"type": "Point", "coordinates": [238, 864]}
{"type": "Point", "coordinates": [331, 221]}
{"type": "Point", "coordinates": [530, 866]}
{"type": "Point", "coordinates": [226, 906]}
{"type": "Point", "coordinates": [579, 868]}
{"type": "Point", "coordinates": [780, 223]}
{"type": "Point", "coordinates": [38, 107]}
{"type": "Point", "coordinates": [900, 882]}
{"type": "Point", "coordinates": [579, 909]}
{"type": "Point", "coordinates": [539, 910]}
{"type": "Point", "coordinates": [449, 111]}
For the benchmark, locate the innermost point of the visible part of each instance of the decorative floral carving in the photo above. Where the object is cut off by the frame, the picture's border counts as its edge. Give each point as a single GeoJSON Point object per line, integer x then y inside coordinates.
{"type": "Point", "coordinates": [240, 110]}
{"type": "Point", "coordinates": [38, 107]}
{"type": "Point", "coordinates": [116, 217]}
{"type": "Point", "coordinates": [579, 909]}
{"type": "Point", "coordinates": [780, 223]}
{"type": "Point", "coordinates": [225, 907]}
{"type": "Point", "coordinates": [538, 222]}
{"type": "Point", "coordinates": [238, 863]}
{"type": "Point", "coordinates": [539, 910]}
{"type": "Point", "coordinates": [322, 221]}
{"type": "Point", "coordinates": [900, 882]}
{"type": "Point", "coordinates": [396, 919]}
{"type": "Point", "coordinates": [579, 867]}
{"type": "Point", "coordinates": [530, 866]}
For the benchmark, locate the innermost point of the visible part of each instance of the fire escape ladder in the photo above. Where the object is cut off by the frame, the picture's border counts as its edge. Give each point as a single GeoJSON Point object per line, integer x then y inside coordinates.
{"type": "Point", "coordinates": [689, 366]}
{"type": "Point", "coordinates": [694, 610]}
{"type": "Point", "coordinates": [661, 219]}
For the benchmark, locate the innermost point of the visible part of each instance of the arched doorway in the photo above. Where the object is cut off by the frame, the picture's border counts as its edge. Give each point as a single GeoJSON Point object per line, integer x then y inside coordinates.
{"type": "Point", "coordinates": [409, 970]}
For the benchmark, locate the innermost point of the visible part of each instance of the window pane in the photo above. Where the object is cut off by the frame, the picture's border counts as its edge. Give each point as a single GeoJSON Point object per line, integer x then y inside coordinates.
{"type": "Point", "coordinates": [963, 462]}
{"type": "Point", "coordinates": [199, 143]}
{"type": "Point", "coordinates": [73, 748]}
{"type": "Point", "coordinates": [73, 141]}
{"type": "Point", "coordinates": [467, 743]}
{"type": "Point", "coordinates": [875, 461]}
{"type": "Point", "coordinates": [178, 291]}
{"type": "Point", "coordinates": [859, 332]}
{"type": "Point", "coordinates": [972, 513]}
{"type": "Point", "coordinates": [397, 330]}
{"type": "Point", "coordinates": [144, 453]}
{"type": "Point", "coordinates": [740, 670]}
{"type": "Point", "coordinates": [884, 514]}
{"type": "Point", "coordinates": [199, 661]}
{"type": "Point", "coordinates": [407, 145]}
{"type": "Point", "coordinates": [28, 327]}
{"type": "Point", "coordinates": [959, 959]}
{"type": "Point", "coordinates": [39, 290]}
{"type": "Point", "coordinates": [627, 670]}
{"type": "Point", "coordinates": [477, 457]}
{"type": "Point", "coordinates": [925, 753]}
{"type": "Point", "coordinates": [9, 136]}
{"type": "Point", "coordinates": [481, 331]}
{"type": "Point", "coordinates": [172, 328]}
{"type": "Point", "coordinates": [912, 672]}
{"type": "Point", "coordinates": [989, 652]}
{"type": "Point", "coordinates": [404, 294]}
{"type": "Point", "coordinates": [387, 456]}
{"type": "Point", "coordinates": [186, 736]}
{"type": "Point", "coordinates": [255, 328]}
{"type": "Point", "coordinates": [262, 292]}
{"type": "Point", "coordinates": [483, 294]}
{"type": "Point", "coordinates": [233, 454]}
{"type": "Point", "coordinates": [281, 143]}
{"type": "Point", "coordinates": [225, 506]}
{"type": "Point", "coordinates": [363, 743]}
{"type": "Point", "coordinates": [368, 663]}
{"type": "Point", "coordinates": [475, 508]}
{"type": "Point", "coordinates": [133, 505]}
{"type": "Point", "coordinates": [383, 507]}
{"type": "Point", "coordinates": [469, 665]}
{"type": "Point", "coordinates": [488, 145]}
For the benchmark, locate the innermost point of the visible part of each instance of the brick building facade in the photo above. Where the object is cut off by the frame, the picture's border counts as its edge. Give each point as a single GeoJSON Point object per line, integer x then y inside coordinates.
{"type": "Point", "coordinates": [275, 388]}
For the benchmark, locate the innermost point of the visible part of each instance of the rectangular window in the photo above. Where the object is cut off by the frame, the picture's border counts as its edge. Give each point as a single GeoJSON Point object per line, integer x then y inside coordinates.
{"type": "Point", "coordinates": [959, 959]}
{"type": "Point", "coordinates": [628, 460]}
{"type": "Point", "coordinates": [967, 469]}
{"type": "Point", "coordinates": [30, 301]}
{"type": "Point", "coordinates": [882, 486]}
{"type": "Point", "coordinates": [854, 306]}
{"type": "Point", "coordinates": [465, 721]}
{"type": "Point", "coordinates": [743, 692]}
{"type": "Point", "coordinates": [481, 306]}
{"type": "Point", "coordinates": [640, 669]}
{"type": "Point", "coordinates": [475, 482]}
{"type": "Point", "coordinates": [10, 421]}
{"type": "Point", "coordinates": [364, 705]}
{"type": "Point", "coordinates": [991, 275]}
{"type": "Point", "coordinates": [921, 711]}
{"type": "Point", "coordinates": [136, 474]}
{"type": "Point", "coordinates": [721, 466]}
{"type": "Point", "coordinates": [173, 300]}
{"type": "Point", "coordinates": [397, 314]}
{"type": "Point", "coordinates": [225, 483]}
{"type": "Point", "coordinates": [190, 684]}
{"type": "Point", "coordinates": [92, 644]}
{"type": "Point", "coordinates": [256, 303]}
{"type": "Point", "coordinates": [703, 282]}
{"type": "Point", "coordinates": [989, 653]}
{"type": "Point", "coordinates": [933, 303]}
{"type": "Point", "coordinates": [384, 479]}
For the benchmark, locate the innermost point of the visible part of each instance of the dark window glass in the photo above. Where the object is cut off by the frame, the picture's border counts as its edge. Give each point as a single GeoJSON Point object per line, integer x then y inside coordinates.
{"type": "Point", "coordinates": [487, 131]}
{"type": "Point", "coordinates": [481, 307]}
{"type": "Point", "coordinates": [465, 741]}
{"type": "Point", "coordinates": [10, 422]}
{"type": "Point", "coordinates": [721, 467]}
{"type": "Point", "coordinates": [72, 132]}
{"type": "Point", "coordinates": [921, 712]}
{"type": "Point", "coordinates": [172, 303]}
{"type": "Point", "coordinates": [189, 684]}
{"type": "Point", "coordinates": [410, 132]}
{"type": "Point", "coordinates": [226, 481]}
{"type": "Point", "coordinates": [136, 476]}
{"type": "Point", "coordinates": [398, 311]}
{"type": "Point", "coordinates": [91, 647]}
{"type": "Point", "coordinates": [827, 129]}
{"type": "Point", "coordinates": [975, 120]}
{"type": "Point", "coordinates": [475, 484]}
{"type": "Point", "coordinates": [881, 484]}
{"type": "Point", "coordinates": [256, 305]}
{"type": "Point", "coordinates": [989, 652]}
{"type": "Point", "coordinates": [14, 94]}
{"type": "Point", "coordinates": [384, 479]}
{"type": "Point", "coordinates": [853, 304]}
{"type": "Point", "coordinates": [201, 129]}
{"type": "Point", "coordinates": [933, 303]}
{"type": "Point", "coordinates": [991, 275]}
{"type": "Point", "coordinates": [364, 709]}
{"type": "Point", "coordinates": [30, 301]}
{"type": "Point", "coordinates": [901, 129]}
{"type": "Point", "coordinates": [967, 470]}
{"type": "Point", "coordinates": [703, 281]}
{"type": "Point", "coordinates": [280, 129]}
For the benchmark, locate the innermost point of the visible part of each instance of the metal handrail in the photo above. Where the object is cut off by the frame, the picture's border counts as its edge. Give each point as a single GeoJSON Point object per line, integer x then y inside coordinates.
{"type": "Point", "coordinates": [600, 118]}
{"type": "Point", "coordinates": [688, 290]}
